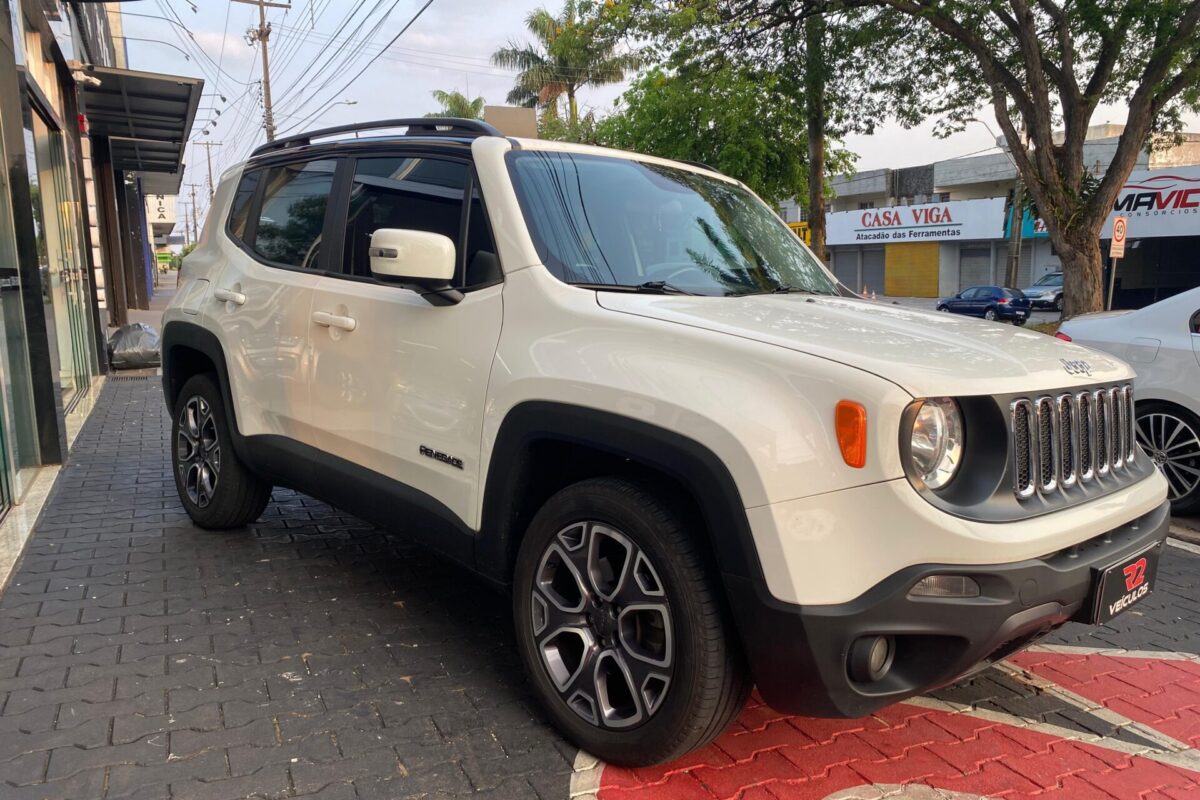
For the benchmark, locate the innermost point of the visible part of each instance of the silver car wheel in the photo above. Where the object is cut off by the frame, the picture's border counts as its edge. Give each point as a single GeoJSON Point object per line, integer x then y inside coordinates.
{"type": "Point", "coordinates": [1174, 447]}
{"type": "Point", "coordinates": [198, 451]}
{"type": "Point", "coordinates": [602, 625]}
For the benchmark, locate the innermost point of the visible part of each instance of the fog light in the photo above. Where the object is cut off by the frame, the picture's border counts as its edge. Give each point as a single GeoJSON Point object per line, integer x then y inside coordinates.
{"type": "Point", "coordinates": [871, 657]}
{"type": "Point", "coordinates": [945, 586]}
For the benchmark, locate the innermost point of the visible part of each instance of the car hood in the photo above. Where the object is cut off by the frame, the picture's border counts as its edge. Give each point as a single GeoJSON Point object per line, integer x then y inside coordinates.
{"type": "Point", "coordinates": [926, 353]}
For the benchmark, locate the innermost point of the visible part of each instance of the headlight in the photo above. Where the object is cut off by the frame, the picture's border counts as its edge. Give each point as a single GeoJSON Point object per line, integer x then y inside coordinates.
{"type": "Point", "coordinates": [936, 443]}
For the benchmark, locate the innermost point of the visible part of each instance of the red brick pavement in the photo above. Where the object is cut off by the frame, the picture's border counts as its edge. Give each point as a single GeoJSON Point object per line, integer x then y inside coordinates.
{"type": "Point", "coordinates": [766, 755]}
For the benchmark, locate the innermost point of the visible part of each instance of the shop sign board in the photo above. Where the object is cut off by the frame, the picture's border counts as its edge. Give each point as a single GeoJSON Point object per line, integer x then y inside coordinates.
{"type": "Point", "coordinates": [1158, 203]}
{"type": "Point", "coordinates": [954, 220]}
{"type": "Point", "coordinates": [160, 209]}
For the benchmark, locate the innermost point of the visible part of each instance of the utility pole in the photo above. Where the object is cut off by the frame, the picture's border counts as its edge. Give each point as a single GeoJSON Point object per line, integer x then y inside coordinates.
{"type": "Point", "coordinates": [208, 146]}
{"type": "Point", "coordinates": [261, 34]}
{"type": "Point", "coordinates": [195, 228]}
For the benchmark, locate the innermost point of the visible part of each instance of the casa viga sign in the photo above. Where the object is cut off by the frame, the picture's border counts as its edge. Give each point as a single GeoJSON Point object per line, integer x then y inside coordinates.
{"type": "Point", "coordinates": [954, 220]}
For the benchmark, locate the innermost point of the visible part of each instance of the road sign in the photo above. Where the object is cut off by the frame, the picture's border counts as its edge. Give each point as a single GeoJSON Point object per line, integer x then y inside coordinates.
{"type": "Point", "coordinates": [1117, 248]}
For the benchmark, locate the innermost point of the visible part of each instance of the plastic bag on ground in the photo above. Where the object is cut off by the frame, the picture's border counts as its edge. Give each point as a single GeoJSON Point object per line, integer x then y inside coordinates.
{"type": "Point", "coordinates": [134, 346]}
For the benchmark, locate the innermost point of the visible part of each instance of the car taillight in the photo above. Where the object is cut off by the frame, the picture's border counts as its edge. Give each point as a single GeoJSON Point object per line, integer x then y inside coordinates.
{"type": "Point", "coordinates": [1063, 336]}
{"type": "Point", "coordinates": [1003, 301]}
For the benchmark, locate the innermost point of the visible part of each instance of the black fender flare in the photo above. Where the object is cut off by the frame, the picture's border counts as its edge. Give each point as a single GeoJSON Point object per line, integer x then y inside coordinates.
{"type": "Point", "coordinates": [182, 334]}
{"type": "Point", "coordinates": [691, 464]}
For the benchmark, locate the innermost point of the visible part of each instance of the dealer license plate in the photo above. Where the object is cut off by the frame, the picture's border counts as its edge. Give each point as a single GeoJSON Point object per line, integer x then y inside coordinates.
{"type": "Point", "coordinates": [1123, 585]}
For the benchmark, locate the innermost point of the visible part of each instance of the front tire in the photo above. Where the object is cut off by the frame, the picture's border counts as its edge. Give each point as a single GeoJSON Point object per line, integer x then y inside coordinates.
{"type": "Point", "coordinates": [1058, 304]}
{"type": "Point", "coordinates": [215, 487]}
{"type": "Point", "coordinates": [1170, 435]}
{"type": "Point", "coordinates": [621, 628]}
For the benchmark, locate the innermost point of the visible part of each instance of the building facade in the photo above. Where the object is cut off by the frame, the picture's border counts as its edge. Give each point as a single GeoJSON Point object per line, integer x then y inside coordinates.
{"type": "Point", "coordinates": [80, 139]}
{"type": "Point", "coordinates": [933, 230]}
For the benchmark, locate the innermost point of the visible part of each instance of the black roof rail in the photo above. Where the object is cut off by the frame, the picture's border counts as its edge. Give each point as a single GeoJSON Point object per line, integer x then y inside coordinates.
{"type": "Point", "coordinates": [417, 126]}
{"type": "Point", "coordinates": [701, 165]}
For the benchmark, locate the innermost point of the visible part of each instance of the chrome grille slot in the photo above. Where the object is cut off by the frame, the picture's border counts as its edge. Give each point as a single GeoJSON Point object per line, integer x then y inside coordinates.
{"type": "Point", "coordinates": [1071, 439]}
{"type": "Point", "coordinates": [1103, 431]}
{"type": "Point", "coordinates": [1047, 445]}
{"type": "Point", "coordinates": [1087, 436]}
{"type": "Point", "coordinates": [1023, 448]}
{"type": "Point", "coordinates": [1068, 436]}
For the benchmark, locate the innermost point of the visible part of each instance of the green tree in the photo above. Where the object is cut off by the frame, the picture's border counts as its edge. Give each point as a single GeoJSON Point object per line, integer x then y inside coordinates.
{"type": "Point", "coordinates": [1044, 67]}
{"type": "Point", "coordinates": [732, 118]}
{"type": "Point", "coordinates": [570, 51]}
{"type": "Point", "coordinates": [457, 104]}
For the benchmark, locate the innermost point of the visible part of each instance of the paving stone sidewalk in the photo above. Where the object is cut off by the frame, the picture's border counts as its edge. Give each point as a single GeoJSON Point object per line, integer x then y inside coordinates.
{"type": "Point", "coordinates": [309, 656]}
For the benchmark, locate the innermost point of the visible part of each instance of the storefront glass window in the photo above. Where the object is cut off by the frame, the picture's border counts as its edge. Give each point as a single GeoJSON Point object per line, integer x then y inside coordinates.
{"type": "Point", "coordinates": [18, 437]}
{"type": "Point", "coordinates": [64, 281]}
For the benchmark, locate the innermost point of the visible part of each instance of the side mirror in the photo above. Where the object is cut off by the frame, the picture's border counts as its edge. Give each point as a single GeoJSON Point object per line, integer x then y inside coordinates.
{"type": "Point", "coordinates": [419, 260]}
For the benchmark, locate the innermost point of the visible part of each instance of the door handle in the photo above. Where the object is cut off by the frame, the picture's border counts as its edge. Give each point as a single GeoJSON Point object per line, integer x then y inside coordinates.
{"type": "Point", "coordinates": [229, 296]}
{"type": "Point", "coordinates": [327, 320]}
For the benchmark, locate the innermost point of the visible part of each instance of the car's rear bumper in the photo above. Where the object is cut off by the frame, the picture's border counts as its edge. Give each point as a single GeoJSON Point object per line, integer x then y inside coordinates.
{"type": "Point", "coordinates": [799, 653]}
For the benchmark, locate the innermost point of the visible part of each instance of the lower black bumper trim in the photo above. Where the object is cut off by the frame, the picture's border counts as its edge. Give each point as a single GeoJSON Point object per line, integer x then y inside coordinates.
{"type": "Point", "coordinates": [798, 654]}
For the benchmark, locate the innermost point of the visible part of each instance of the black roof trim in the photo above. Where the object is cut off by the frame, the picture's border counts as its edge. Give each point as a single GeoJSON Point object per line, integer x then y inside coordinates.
{"type": "Point", "coordinates": [419, 126]}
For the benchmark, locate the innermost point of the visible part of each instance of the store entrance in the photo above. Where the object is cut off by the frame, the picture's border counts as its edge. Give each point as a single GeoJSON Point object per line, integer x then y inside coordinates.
{"type": "Point", "coordinates": [65, 281]}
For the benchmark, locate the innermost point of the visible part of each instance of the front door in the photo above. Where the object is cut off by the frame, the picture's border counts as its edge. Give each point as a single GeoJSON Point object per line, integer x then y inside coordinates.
{"type": "Point", "coordinates": [264, 292]}
{"type": "Point", "coordinates": [399, 384]}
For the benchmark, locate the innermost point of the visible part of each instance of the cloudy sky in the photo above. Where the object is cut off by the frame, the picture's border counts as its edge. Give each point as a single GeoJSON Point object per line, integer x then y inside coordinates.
{"type": "Point", "coordinates": [318, 46]}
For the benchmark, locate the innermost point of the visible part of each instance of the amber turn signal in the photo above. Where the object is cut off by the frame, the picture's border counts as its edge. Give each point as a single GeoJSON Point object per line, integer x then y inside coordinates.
{"type": "Point", "coordinates": [850, 422]}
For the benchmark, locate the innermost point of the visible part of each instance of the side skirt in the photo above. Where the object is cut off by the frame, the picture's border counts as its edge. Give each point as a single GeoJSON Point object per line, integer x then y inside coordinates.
{"type": "Point", "coordinates": [376, 498]}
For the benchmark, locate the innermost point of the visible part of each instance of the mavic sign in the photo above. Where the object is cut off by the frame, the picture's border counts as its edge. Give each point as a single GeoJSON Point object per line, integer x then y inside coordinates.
{"type": "Point", "coordinates": [1161, 203]}
{"type": "Point", "coordinates": [160, 209]}
{"type": "Point", "coordinates": [959, 220]}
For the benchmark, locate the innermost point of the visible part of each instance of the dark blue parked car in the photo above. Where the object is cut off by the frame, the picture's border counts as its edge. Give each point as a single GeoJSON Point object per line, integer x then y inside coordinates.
{"type": "Point", "coordinates": [989, 302]}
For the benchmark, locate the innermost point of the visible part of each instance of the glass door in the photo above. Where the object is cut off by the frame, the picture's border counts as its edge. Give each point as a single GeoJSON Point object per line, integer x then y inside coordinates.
{"type": "Point", "coordinates": [56, 216]}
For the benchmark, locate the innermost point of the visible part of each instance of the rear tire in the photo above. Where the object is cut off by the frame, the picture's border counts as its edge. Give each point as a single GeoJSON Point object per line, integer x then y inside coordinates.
{"type": "Point", "coordinates": [216, 488]}
{"type": "Point", "coordinates": [621, 627]}
{"type": "Point", "coordinates": [990, 315]}
{"type": "Point", "coordinates": [1170, 435]}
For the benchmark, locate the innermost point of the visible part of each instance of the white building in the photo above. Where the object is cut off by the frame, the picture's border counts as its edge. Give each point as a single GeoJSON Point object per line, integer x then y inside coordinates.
{"type": "Point", "coordinates": [932, 230]}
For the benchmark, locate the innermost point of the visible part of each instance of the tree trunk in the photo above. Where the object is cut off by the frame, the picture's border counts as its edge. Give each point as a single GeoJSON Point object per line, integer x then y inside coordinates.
{"type": "Point", "coordinates": [1083, 272]}
{"type": "Point", "coordinates": [814, 97]}
{"type": "Point", "coordinates": [572, 107]}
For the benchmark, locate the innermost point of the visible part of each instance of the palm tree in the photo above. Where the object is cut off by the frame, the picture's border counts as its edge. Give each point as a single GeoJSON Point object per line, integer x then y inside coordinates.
{"type": "Point", "coordinates": [567, 55]}
{"type": "Point", "coordinates": [457, 104]}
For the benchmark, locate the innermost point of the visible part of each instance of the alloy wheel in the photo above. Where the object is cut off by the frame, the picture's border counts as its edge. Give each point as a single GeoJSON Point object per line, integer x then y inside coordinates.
{"type": "Point", "coordinates": [602, 625]}
{"type": "Point", "coordinates": [989, 314]}
{"type": "Point", "coordinates": [198, 454]}
{"type": "Point", "coordinates": [1174, 447]}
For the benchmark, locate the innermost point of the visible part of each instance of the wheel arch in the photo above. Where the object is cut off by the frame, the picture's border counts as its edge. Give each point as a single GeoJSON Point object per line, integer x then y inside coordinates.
{"type": "Point", "coordinates": [544, 446]}
{"type": "Point", "coordinates": [187, 350]}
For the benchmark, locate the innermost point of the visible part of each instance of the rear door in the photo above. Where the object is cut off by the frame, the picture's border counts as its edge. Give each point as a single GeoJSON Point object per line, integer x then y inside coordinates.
{"type": "Point", "coordinates": [265, 290]}
{"type": "Point", "coordinates": [402, 393]}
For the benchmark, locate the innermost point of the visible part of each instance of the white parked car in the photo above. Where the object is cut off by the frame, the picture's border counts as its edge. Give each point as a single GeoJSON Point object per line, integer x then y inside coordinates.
{"type": "Point", "coordinates": [621, 389]}
{"type": "Point", "coordinates": [1161, 342]}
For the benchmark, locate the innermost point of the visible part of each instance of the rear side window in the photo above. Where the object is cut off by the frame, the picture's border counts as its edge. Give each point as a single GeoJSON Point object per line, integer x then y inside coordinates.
{"type": "Point", "coordinates": [239, 212]}
{"type": "Point", "coordinates": [292, 214]}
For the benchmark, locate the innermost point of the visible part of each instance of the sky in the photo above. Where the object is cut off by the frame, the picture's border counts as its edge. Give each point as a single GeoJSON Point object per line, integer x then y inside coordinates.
{"type": "Point", "coordinates": [447, 47]}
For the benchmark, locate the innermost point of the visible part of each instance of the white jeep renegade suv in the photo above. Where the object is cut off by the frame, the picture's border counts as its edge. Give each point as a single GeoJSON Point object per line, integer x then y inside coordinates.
{"type": "Point", "coordinates": [620, 388]}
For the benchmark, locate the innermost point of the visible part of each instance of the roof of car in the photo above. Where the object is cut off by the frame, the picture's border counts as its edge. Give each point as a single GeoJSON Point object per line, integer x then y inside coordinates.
{"type": "Point", "coordinates": [449, 130]}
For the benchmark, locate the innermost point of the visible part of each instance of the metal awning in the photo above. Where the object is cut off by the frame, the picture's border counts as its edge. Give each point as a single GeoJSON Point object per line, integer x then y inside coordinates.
{"type": "Point", "coordinates": [147, 118]}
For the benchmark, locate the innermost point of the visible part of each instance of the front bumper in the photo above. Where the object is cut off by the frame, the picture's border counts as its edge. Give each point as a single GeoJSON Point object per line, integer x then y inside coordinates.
{"type": "Point", "coordinates": [798, 653]}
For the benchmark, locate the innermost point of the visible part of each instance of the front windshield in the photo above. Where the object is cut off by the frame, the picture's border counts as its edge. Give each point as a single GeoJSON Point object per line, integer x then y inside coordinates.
{"type": "Point", "coordinates": [1053, 279]}
{"type": "Point", "coordinates": [601, 220]}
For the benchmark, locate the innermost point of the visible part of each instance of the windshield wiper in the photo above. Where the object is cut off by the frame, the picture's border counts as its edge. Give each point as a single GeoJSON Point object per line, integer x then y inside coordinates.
{"type": "Point", "coordinates": [783, 288]}
{"type": "Point", "coordinates": [649, 287]}
{"type": "Point", "coordinates": [660, 287]}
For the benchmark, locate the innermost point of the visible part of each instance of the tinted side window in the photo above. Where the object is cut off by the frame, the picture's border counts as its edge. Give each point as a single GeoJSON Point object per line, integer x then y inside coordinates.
{"type": "Point", "coordinates": [293, 213]}
{"type": "Point", "coordinates": [423, 194]}
{"type": "Point", "coordinates": [239, 210]}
